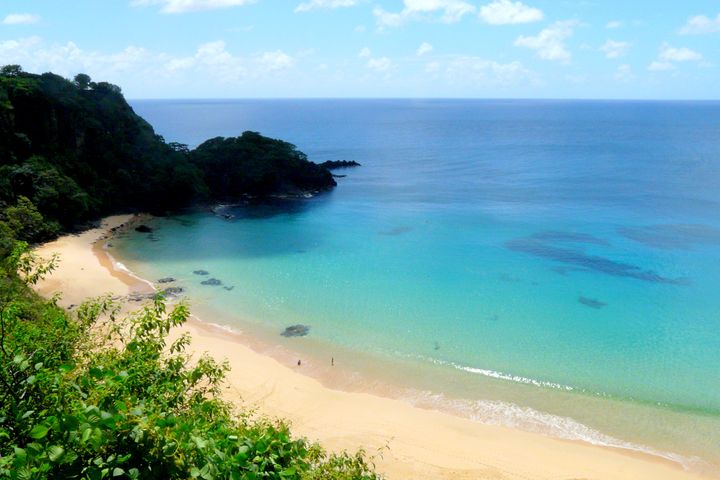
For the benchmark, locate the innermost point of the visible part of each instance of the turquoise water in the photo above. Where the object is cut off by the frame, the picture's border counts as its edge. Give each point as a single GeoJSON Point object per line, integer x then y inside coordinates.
{"type": "Point", "coordinates": [548, 265]}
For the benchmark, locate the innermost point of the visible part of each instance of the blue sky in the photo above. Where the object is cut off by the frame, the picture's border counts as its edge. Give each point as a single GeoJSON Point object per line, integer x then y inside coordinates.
{"type": "Point", "coordinates": [374, 48]}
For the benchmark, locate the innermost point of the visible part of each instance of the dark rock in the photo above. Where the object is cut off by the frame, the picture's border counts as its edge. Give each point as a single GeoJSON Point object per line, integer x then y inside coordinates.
{"type": "Point", "coordinates": [229, 288]}
{"type": "Point", "coordinates": [174, 291]}
{"type": "Point", "coordinates": [143, 229]}
{"type": "Point", "coordinates": [201, 272]}
{"type": "Point", "coordinates": [296, 331]}
{"type": "Point", "coordinates": [166, 280]}
{"type": "Point", "coordinates": [211, 281]}
{"type": "Point", "coordinates": [139, 297]}
{"type": "Point", "coordinates": [333, 164]}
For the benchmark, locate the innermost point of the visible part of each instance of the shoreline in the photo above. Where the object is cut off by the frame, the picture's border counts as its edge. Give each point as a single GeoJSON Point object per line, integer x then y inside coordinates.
{"type": "Point", "coordinates": [423, 443]}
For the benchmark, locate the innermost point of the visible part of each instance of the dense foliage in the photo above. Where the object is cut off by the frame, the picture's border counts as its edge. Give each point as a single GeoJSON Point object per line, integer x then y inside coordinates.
{"type": "Point", "coordinates": [76, 151]}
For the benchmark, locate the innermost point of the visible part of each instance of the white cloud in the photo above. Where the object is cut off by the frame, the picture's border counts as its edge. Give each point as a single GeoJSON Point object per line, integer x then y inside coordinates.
{"type": "Point", "coordinates": [183, 6]}
{"type": "Point", "coordinates": [506, 12]}
{"type": "Point", "coordinates": [700, 25]}
{"type": "Point", "coordinates": [657, 66]}
{"type": "Point", "coordinates": [277, 60]}
{"type": "Point", "coordinates": [678, 54]}
{"type": "Point", "coordinates": [381, 64]}
{"type": "Point", "coordinates": [313, 4]}
{"type": "Point", "coordinates": [20, 19]}
{"type": "Point", "coordinates": [450, 10]}
{"type": "Point", "coordinates": [615, 49]}
{"type": "Point", "coordinates": [432, 67]}
{"type": "Point", "coordinates": [424, 48]}
{"type": "Point", "coordinates": [668, 56]}
{"type": "Point", "coordinates": [137, 67]}
{"type": "Point", "coordinates": [478, 71]}
{"type": "Point", "coordinates": [550, 42]}
{"type": "Point", "coordinates": [364, 53]}
{"type": "Point", "coordinates": [624, 73]}
{"type": "Point", "coordinates": [613, 24]}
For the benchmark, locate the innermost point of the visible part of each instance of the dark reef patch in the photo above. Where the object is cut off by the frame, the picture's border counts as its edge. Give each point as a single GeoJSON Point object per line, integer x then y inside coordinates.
{"type": "Point", "coordinates": [571, 237]}
{"type": "Point", "coordinates": [574, 259]}
{"type": "Point", "coordinates": [214, 282]}
{"type": "Point", "coordinates": [201, 272]}
{"type": "Point", "coordinates": [672, 237]}
{"type": "Point", "coordinates": [392, 232]}
{"type": "Point", "coordinates": [591, 302]}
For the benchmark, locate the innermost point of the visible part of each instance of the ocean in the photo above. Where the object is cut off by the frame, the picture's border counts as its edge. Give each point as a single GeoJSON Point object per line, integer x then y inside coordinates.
{"type": "Point", "coordinates": [547, 265]}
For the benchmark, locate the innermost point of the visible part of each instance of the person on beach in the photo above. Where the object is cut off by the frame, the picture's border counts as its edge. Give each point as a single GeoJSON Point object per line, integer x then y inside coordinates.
{"type": "Point", "coordinates": [299, 362]}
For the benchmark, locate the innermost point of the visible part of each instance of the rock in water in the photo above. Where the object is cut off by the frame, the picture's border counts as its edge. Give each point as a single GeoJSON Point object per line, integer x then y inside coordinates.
{"type": "Point", "coordinates": [166, 280]}
{"type": "Point", "coordinates": [143, 229]}
{"type": "Point", "coordinates": [334, 164]}
{"type": "Point", "coordinates": [296, 331]}
{"type": "Point", "coordinates": [211, 281]}
{"type": "Point", "coordinates": [174, 291]}
{"type": "Point", "coordinates": [200, 272]}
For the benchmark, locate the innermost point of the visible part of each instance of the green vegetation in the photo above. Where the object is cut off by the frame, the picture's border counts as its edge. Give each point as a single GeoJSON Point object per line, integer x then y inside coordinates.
{"type": "Point", "coordinates": [77, 151]}
{"type": "Point", "coordinates": [89, 395]}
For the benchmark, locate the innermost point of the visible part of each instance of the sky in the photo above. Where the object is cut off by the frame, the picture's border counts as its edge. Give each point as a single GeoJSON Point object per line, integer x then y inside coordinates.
{"type": "Point", "coordinates": [595, 49]}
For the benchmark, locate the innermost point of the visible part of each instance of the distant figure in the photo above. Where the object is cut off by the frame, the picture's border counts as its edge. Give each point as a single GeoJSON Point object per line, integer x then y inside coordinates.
{"type": "Point", "coordinates": [332, 361]}
{"type": "Point", "coordinates": [299, 363]}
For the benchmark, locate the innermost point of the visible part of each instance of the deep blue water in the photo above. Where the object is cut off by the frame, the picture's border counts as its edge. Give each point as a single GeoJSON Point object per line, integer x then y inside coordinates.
{"type": "Point", "coordinates": [560, 246]}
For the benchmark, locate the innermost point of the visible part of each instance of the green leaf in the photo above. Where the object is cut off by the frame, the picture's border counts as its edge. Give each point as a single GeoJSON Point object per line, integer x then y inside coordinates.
{"type": "Point", "coordinates": [55, 452]}
{"type": "Point", "coordinates": [24, 473]}
{"type": "Point", "coordinates": [288, 472]}
{"type": "Point", "coordinates": [117, 471]}
{"type": "Point", "coordinates": [39, 431]}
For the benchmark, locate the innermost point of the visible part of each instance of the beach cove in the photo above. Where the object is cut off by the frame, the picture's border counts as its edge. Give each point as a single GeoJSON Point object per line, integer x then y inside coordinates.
{"type": "Point", "coordinates": [415, 442]}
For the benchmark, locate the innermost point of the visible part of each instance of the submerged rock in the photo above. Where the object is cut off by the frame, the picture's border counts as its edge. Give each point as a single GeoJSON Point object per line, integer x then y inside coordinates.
{"type": "Point", "coordinates": [143, 229]}
{"type": "Point", "coordinates": [296, 331]}
{"type": "Point", "coordinates": [174, 291]}
{"type": "Point", "coordinates": [211, 281]}
{"type": "Point", "coordinates": [229, 288]}
{"type": "Point", "coordinates": [166, 280]}
{"type": "Point", "coordinates": [201, 272]}
{"type": "Point", "coordinates": [591, 302]}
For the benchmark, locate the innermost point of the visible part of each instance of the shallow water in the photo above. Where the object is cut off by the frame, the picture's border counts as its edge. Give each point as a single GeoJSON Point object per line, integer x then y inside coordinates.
{"type": "Point", "coordinates": [494, 258]}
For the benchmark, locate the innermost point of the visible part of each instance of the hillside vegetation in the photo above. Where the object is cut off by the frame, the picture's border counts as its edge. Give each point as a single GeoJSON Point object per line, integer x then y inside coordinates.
{"type": "Point", "coordinates": [77, 151]}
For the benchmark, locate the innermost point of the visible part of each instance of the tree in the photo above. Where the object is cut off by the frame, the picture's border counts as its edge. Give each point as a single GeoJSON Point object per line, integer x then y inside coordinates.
{"type": "Point", "coordinates": [83, 81]}
{"type": "Point", "coordinates": [11, 70]}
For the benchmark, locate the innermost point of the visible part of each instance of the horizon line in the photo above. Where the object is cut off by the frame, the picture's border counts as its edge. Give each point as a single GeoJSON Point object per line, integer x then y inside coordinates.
{"type": "Point", "coordinates": [549, 99]}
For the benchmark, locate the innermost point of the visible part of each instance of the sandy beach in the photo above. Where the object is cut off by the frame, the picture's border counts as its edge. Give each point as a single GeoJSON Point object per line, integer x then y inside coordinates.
{"type": "Point", "coordinates": [421, 444]}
